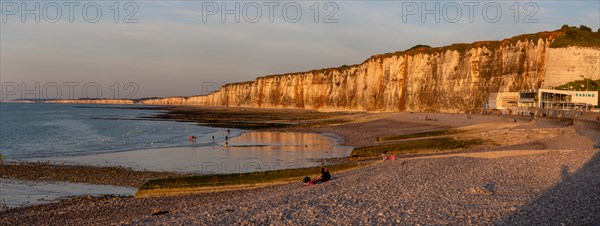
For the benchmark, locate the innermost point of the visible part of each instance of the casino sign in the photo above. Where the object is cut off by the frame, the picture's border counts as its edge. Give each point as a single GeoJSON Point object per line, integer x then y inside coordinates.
{"type": "Point", "coordinates": [585, 95]}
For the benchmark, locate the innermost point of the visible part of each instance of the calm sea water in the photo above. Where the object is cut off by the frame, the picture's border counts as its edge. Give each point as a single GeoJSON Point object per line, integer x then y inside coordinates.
{"type": "Point", "coordinates": [33, 131]}
{"type": "Point", "coordinates": [115, 135]}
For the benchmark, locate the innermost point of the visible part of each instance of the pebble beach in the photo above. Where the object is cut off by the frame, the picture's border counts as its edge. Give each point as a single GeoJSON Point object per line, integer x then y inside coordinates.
{"type": "Point", "coordinates": [549, 178]}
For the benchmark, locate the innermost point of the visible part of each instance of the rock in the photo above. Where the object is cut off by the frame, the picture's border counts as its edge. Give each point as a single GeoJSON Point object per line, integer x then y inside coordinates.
{"type": "Point", "coordinates": [480, 191]}
{"type": "Point", "coordinates": [160, 212]}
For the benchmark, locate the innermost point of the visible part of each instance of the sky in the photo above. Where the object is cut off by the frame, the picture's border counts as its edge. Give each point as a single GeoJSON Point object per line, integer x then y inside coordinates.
{"type": "Point", "coordinates": [181, 48]}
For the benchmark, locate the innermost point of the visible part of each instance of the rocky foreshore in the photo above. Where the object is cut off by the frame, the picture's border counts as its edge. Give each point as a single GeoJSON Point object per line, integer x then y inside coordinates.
{"type": "Point", "coordinates": [44, 171]}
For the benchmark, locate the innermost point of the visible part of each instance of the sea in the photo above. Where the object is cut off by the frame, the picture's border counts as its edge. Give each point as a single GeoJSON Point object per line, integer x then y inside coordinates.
{"type": "Point", "coordinates": [31, 131]}
{"type": "Point", "coordinates": [131, 136]}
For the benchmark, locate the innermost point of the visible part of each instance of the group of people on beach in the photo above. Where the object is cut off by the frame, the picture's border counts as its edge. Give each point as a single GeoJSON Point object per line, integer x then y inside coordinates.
{"type": "Point", "coordinates": [430, 119]}
{"type": "Point", "coordinates": [194, 138]}
{"type": "Point", "coordinates": [385, 156]}
{"type": "Point", "coordinates": [325, 176]}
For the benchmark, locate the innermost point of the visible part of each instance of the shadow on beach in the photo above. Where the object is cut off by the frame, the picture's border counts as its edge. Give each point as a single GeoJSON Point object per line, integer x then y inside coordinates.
{"type": "Point", "coordinates": [573, 201]}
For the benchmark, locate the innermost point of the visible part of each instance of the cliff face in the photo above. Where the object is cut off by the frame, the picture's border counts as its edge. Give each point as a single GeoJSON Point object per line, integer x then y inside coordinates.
{"type": "Point", "coordinates": [567, 64]}
{"type": "Point", "coordinates": [449, 79]}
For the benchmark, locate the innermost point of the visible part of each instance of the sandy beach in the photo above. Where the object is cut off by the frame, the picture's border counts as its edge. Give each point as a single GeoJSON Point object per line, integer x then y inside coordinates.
{"type": "Point", "coordinates": [539, 171]}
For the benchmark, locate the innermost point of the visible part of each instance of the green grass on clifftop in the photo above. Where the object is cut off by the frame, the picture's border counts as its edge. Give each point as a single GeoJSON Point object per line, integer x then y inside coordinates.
{"type": "Point", "coordinates": [582, 85]}
{"type": "Point", "coordinates": [573, 36]}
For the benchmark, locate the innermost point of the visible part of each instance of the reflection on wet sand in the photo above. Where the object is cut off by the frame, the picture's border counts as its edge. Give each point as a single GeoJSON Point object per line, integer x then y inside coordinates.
{"type": "Point", "coordinates": [250, 152]}
{"type": "Point", "coordinates": [283, 143]}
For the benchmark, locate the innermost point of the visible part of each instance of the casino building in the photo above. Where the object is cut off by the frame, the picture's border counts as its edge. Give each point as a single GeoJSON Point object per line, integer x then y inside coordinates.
{"type": "Point", "coordinates": [545, 99]}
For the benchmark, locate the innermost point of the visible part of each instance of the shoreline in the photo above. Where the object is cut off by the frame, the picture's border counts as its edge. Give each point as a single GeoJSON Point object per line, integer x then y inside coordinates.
{"type": "Point", "coordinates": [333, 132]}
{"type": "Point", "coordinates": [38, 173]}
{"type": "Point", "coordinates": [165, 113]}
{"type": "Point", "coordinates": [522, 168]}
{"type": "Point", "coordinates": [339, 137]}
{"type": "Point", "coordinates": [127, 174]}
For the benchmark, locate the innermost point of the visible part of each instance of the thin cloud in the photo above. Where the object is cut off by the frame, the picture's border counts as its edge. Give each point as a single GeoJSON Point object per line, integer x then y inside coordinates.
{"type": "Point", "coordinates": [172, 44]}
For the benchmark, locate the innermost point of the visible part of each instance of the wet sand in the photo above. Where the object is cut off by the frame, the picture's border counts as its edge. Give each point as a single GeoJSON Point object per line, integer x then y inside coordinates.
{"type": "Point", "coordinates": [250, 152]}
{"type": "Point", "coordinates": [18, 193]}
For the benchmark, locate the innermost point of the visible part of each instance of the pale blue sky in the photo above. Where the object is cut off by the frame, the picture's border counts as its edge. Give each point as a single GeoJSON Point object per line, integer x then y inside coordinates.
{"type": "Point", "coordinates": [171, 51]}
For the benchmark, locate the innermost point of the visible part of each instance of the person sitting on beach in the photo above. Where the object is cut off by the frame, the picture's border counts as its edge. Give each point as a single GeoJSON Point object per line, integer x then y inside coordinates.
{"type": "Point", "coordinates": [325, 176]}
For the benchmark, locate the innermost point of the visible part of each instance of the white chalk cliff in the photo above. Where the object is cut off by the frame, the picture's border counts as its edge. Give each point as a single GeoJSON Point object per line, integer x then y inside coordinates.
{"type": "Point", "coordinates": [459, 77]}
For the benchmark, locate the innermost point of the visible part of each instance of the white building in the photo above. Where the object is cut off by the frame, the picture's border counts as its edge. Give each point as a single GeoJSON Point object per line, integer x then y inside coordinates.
{"type": "Point", "coordinates": [568, 100]}
{"type": "Point", "coordinates": [545, 98]}
{"type": "Point", "coordinates": [503, 100]}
